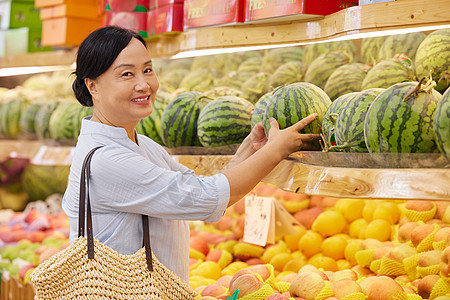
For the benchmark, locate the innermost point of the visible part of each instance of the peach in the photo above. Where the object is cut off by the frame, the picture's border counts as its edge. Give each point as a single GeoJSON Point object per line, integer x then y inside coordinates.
{"type": "Point", "coordinates": [214, 290]}
{"type": "Point", "coordinates": [421, 232]}
{"type": "Point", "coordinates": [419, 205]}
{"type": "Point", "coordinates": [224, 223]}
{"type": "Point", "coordinates": [345, 287]}
{"type": "Point", "coordinates": [426, 284]}
{"type": "Point", "coordinates": [441, 206]}
{"type": "Point", "coordinates": [262, 270]}
{"type": "Point", "coordinates": [247, 284]}
{"type": "Point", "coordinates": [238, 227]}
{"type": "Point", "coordinates": [445, 262]}
{"type": "Point", "coordinates": [199, 244]}
{"type": "Point", "coordinates": [404, 231]}
{"type": "Point", "coordinates": [381, 288]}
{"type": "Point", "coordinates": [311, 268]}
{"type": "Point", "coordinates": [277, 297]}
{"type": "Point", "coordinates": [370, 244]}
{"type": "Point", "coordinates": [402, 251]}
{"type": "Point", "coordinates": [289, 277]}
{"type": "Point", "coordinates": [307, 216]}
{"type": "Point", "coordinates": [361, 271]}
{"type": "Point", "coordinates": [253, 261]}
{"type": "Point", "coordinates": [307, 285]}
{"type": "Point", "coordinates": [343, 274]}
{"type": "Point", "coordinates": [429, 258]}
{"type": "Point", "coordinates": [443, 234]}
{"type": "Point", "coordinates": [225, 281]}
{"type": "Point", "coordinates": [382, 251]}
{"type": "Point", "coordinates": [238, 274]}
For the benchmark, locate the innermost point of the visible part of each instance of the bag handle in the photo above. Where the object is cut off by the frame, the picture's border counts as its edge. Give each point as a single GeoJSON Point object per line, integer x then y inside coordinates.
{"type": "Point", "coordinates": [84, 194]}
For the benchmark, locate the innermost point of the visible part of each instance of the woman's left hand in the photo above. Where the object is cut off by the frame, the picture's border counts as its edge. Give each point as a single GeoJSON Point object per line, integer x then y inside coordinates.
{"type": "Point", "coordinates": [258, 136]}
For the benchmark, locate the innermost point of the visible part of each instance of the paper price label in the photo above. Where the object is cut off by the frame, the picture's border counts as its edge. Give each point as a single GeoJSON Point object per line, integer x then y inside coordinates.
{"type": "Point", "coordinates": [259, 225]}
{"type": "Point", "coordinates": [53, 156]}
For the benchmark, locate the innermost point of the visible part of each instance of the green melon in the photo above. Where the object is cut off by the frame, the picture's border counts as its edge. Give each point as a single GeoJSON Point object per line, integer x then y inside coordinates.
{"type": "Point", "coordinates": [225, 63]}
{"type": "Point", "coordinates": [295, 101]}
{"type": "Point", "coordinates": [401, 43]}
{"type": "Point", "coordinates": [388, 72]}
{"type": "Point", "coordinates": [345, 79]}
{"type": "Point", "coordinates": [42, 120]}
{"type": "Point", "coordinates": [10, 114]}
{"type": "Point", "coordinates": [349, 127]}
{"type": "Point", "coordinates": [181, 63]}
{"type": "Point", "coordinates": [81, 113]}
{"type": "Point", "coordinates": [179, 119]}
{"type": "Point", "coordinates": [201, 62]}
{"type": "Point", "coordinates": [370, 47]}
{"type": "Point", "coordinates": [441, 124]}
{"type": "Point", "coordinates": [39, 182]}
{"type": "Point", "coordinates": [274, 58]}
{"type": "Point", "coordinates": [324, 65]}
{"type": "Point", "coordinates": [233, 80]}
{"type": "Point", "coordinates": [433, 55]}
{"type": "Point", "coordinates": [260, 108]}
{"type": "Point", "coordinates": [61, 123]}
{"type": "Point", "coordinates": [312, 51]}
{"type": "Point", "coordinates": [225, 121]}
{"type": "Point", "coordinates": [251, 65]}
{"type": "Point", "coordinates": [256, 86]}
{"type": "Point", "coordinates": [289, 72]}
{"type": "Point", "coordinates": [171, 79]}
{"type": "Point", "coordinates": [400, 120]}
{"type": "Point", "coordinates": [27, 120]}
{"type": "Point", "coordinates": [199, 80]}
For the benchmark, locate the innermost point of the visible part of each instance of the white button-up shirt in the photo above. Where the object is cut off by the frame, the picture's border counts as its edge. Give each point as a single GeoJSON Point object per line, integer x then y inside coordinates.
{"type": "Point", "coordinates": [128, 180]}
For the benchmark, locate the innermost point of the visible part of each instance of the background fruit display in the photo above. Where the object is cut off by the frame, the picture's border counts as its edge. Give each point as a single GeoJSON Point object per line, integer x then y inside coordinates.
{"type": "Point", "coordinates": [343, 249]}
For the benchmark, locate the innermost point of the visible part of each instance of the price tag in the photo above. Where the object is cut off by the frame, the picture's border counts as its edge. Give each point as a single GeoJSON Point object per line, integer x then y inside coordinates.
{"type": "Point", "coordinates": [259, 225]}
{"type": "Point", "coordinates": [52, 156]}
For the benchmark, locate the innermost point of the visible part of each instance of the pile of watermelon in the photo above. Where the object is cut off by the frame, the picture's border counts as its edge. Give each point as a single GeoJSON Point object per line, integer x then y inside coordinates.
{"type": "Point", "coordinates": [380, 94]}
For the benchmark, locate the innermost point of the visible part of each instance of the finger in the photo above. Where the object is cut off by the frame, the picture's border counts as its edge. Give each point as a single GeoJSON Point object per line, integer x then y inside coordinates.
{"type": "Point", "coordinates": [273, 126]}
{"type": "Point", "coordinates": [309, 146]}
{"type": "Point", "coordinates": [303, 122]}
{"type": "Point", "coordinates": [311, 137]}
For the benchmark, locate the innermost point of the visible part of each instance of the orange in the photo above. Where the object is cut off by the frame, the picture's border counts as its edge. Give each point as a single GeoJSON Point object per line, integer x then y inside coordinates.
{"type": "Point", "coordinates": [350, 250]}
{"type": "Point", "coordinates": [357, 228]}
{"type": "Point", "coordinates": [379, 229]}
{"type": "Point", "coordinates": [329, 223]}
{"type": "Point", "coordinates": [351, 209]}
{"type": "Point", "coordinates": [321, 261]}
{"type": "Point", "coordinates": [334, 247]}
{"type": "Point", "coordinates": [292, 240]}
{"type": "Point", "coordinates": [279, 261]}
{"type": "Point", "coordinates": [310, 243]}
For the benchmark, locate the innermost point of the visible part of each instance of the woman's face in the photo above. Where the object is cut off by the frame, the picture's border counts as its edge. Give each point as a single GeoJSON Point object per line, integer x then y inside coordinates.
{"type": "Point", "coordinates": [126, 92]}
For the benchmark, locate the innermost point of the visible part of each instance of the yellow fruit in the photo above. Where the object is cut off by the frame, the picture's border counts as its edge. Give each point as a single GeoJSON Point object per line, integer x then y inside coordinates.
{"type": "Point", "coordinates": [350, 250]}
{"type": "Point", "coordinates": [273, 250]}
{"type": "Point", "coordinates": [208, 269]}
{"type": "Point", "coordinates": [292, 240]}
{"type": "Point", "coordinates": [227, 245]}
{"type": "Point", "coordinates": [284, 273]}
{"type": "Point", "coordinates": [378, 229]}
{"type": "Point", "coordinates": [294, 264]}
{"type": "Point", "coordinates": [329, 223]}
{"type": "Point", "coordinates": [310, 243]}
{"type": "Point", "coordinates": [388, 211]}
{"type": "Point", "coordinates": [279, 261]}
{"type": "Point", "coordinates": [321, 261]}
{"type": "Point", "coordinates": [232, 268]}
{"type": "Point", "coordinates": [351, 209]}
{"type": "Point", "coordinates": [298, 254]}
{"type": "Point", "coordinates": [369, 208]}
{"type": "Point", "coordinates": [357, 228]}
{"type": "Point", "coordinates": [196, 254]}
{"type": "Point", "coordinates": [334, 247]}
{"type": "Point", "coordinates": [343, 264]}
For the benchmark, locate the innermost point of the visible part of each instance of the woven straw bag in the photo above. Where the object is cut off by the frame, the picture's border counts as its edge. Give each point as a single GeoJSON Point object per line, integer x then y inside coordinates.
{"type": "Point", "coordinates": [75, 273]}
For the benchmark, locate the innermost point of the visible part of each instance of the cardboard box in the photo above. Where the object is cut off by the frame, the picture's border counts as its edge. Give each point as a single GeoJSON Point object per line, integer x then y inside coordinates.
{"type": "Point", "coordinates": [282, 10]}
{"type": "Point", "coordinates": [364, 2]}
{"type": "Point", "coordinates": [67, 31]}
{"type": "Point", "coordinates": [158, 3]}
{"type": "Point", "coordinates": [200, 13]}
{"type": "Point", "coordinates": [45, 3]}
{"type": "Point", "coordinates": [69, 10]}
{"type": "Point", "coordinates": [19, 14]}
{"type": "Point", "coordinates": [35, 41]}
{"type": "Point", "coordinates": [136, 21]}
{"type": "Point", "coordinates": [14, 41]}
{"type": "Point", "coordinates": [127, 5]}
{"type": "Point", "coordinates": [165, 19]}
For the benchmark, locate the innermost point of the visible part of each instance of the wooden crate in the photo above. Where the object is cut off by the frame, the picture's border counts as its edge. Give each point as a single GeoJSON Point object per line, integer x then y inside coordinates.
{"type": "Point", "coordinates": [12, 289]}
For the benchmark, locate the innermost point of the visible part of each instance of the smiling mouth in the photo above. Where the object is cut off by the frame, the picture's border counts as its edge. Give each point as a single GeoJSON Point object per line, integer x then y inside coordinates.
{"type": "Point", "coordinates": [142, 99]}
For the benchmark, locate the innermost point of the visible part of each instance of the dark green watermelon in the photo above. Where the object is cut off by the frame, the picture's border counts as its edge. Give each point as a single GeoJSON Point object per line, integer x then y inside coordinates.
{"type": "Point", "coordinates": [27, 119]}
{"type": "Point", "coordinates": [441, 124]}
{"type": "Point", "coordinates": [42, 120]}
{"type": "Point", "coordinates": [260, 108]}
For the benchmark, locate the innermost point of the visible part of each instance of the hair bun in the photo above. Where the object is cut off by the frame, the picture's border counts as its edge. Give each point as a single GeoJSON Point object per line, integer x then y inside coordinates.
{"type": "Point", "coordinates": [81, 92]}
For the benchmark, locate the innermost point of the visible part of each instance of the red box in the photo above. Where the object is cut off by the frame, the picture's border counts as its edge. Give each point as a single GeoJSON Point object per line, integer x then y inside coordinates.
{"type": "Point", "coordinates": [299, 9]}
{"type": "Point", "coordinates": [200, 13]}
{"type": "Point", "coordinates": [158, 3]}
{"type": "Point", "coordinates": [136, 21]}
{"type": "Point", "coordinates": [165, 19]}
{"type": "Point", "coordinates": [127, 5]}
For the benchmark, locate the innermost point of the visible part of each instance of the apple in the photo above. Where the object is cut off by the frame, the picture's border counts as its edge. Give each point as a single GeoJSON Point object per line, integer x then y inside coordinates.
{"type": "Point", "coordinates": [370, 244]}
{"type": "Point", "coordinates": [238, 227]}
{"type": "Point", "coordinates": [345, 287]}
{"type": "Point", "coordinates": [289, 277]}
{"type": "Point", "coordinates": [246, 283]}
{"type": "Point", "coordinates": [307, 216]}
{"type": "Point", "coordinates": [382, 251]}
{"type": "Point", "coordinates": [343, 274]}
{"type": "Point", "coordinates": [307, 285]}
{"type": "Point", "coordinates": [262, 270]}
{"type": "Point", "coordinates": [381, 288]}
{"type": "Point", "coordinates": [409, 290]}
{"type": "Point", "coordinates": [199, 244]}
{"type": "Point", "coordinates": [404, 231]}
{"type": "Point", "coordinates": [122, 5]}
{"type": "Point", "coordinates": [224, 223]}
{"type": "Point", "coordinates": [402, 251]}
{"type": "Point", "coordinates": [441, 207]}
{"type": "Point", "coordinates": [277, 297]}
{"type": "Point", "coordinates": [23, 270]}
{"type": "Point", "coordinates": [421, 232]}
{"type": "Point", "coordinates": [361, 271]}
{"type": "Point", "coordinates": [225, 281]}
{"type": "Point", "coordinates": [419, 205]}
{"type": "Point", "coordinates": [443, 234]}
{"type": "Point", "coordinates": [239, 207]}
{"type": "Point", "coordinates": [253, 261]}
{"type": "Point", "coordinates": [426, 284]}
{"type": "Point", "coordinates": [445, 262]}
{"type": "Point", "coordinates": [311, 268]}
{"type": "Point", "coordinates": [429, 258]}
{"type": "Point", "coordinates": [214, 290]}
{"type": "Point", "coordinates": [240, 273]}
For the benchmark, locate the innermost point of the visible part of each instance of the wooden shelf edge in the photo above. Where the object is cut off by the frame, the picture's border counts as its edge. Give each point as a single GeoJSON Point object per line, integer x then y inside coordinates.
{"type": "Point", "coordinates": [49, 58]}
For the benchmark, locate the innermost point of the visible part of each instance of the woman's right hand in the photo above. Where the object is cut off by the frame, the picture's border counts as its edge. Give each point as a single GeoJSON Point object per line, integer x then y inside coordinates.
{"type": "Point", "coordinates": [289, 140]}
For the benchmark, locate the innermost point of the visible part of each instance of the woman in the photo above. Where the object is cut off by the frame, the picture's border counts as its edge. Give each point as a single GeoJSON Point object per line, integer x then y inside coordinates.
{"type": "Point", "coordinates": [132, 175]}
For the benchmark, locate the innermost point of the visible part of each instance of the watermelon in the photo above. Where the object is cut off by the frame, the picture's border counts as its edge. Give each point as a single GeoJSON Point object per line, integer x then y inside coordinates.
{"type": "Point", "coordinates": [295, 101]}
{"type": "Point", "coordinates": [312, 51]}
{"type": "Point", "coordinates": [82, 111]}
{"type": "Point", "coordinates": [39, 182]}
{"type": "Point", "coordinates": [388, 72]}
{"type": "Point", "coordinates": [349, 127]}
{"type": "Point", "coordinates": [274, 58]}
{"type": "Point", "coordinates": [225, 121]}
{"type": "Point", "coordinates": [201, 62]}
{"type": "Point", "coordinates": [27, 119]}
{"type": "Point", "coordinates": [370, 47]}
{"type": "Point", "coordinates": [233, 79]}
{"type": "Point", "coordinates": [433, 55]}
{"type": "Point", "coordinates": [199, 80]}
{"type": "Point", "coordinates": [322, 67]}
{"type": "Point", "coordinates": [256, 86]}
{"type": "Point", "coordinates": [151, 125]}
{"type": "Point", "coordinates": [441, 124]}
{"type": "Point", "coordinates": [222, 91]}
{"type": "Point", "coordinates": [42, 120]}
{"type": "Point", "coordinates": [345, 79]}
{"type": "Point", "coordinates": [260, 108]}
{"type": "Point", "coordinates": [400, 120]}
{"type": "Point", "coordinates": [61, 122]}
{"type": "Point", "coordinates": [179, 119]}
{"type": "Point", "coordinates": [181, 63]}
{"type": "Point", "coordinates": [225, 63]}
{"type": "Point", "coordinates": [406, 44]}
{"type": "Point", "coordinates": [290, 72]}
{"type": "Point", "coordinates": [171, 80]}
{"type": "Point", "coordinates": [330, 117]}
{"type": "Point", "coordinates": [10, 114]}
{"type": "Point", "coordinates": [251, 65]}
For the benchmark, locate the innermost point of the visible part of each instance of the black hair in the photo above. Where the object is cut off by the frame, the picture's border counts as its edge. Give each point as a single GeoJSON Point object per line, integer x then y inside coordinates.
{"type": "Point", "coordinates": [96, 54]}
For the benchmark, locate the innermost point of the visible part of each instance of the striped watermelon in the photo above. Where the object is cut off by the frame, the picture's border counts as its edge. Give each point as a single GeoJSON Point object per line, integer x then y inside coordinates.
{"type": "Point", "coordinates": [225, 121]}
{"type": "Point", "coordinates": [312, 51]}
{"type": "Point", "coordinates": [42, 120]}
{"type": "Point", "coordinates": [199, 80]}
{"type": "Point", "coordinates": [225, 63]}
{"type": "Point", "coordinates": [330, 117]}
{"type": "Point", "coordinates": [260, 108]}
{"type": "Point", "coordinates": [171, 79]}
{"type": "Point", "coordinates": [295, 101]}
{"type": "Point", "coordinates": [370, 47]}
{"type": "Point", "coordinates": [27, 119]}
{"type": "Point", "coordinates": [233, 79]}
{"type": "Point", "coordinates": [433, 55]}
{"type": "Point", "coordinates": [179, 119]}
{"type": "Point", "coordinates": [349, 127]}
{"type": "Point", "coordinates": [251, 65]}
{"type": "Point", "coordinates": [401, 43]}
{"type": "Point", "coordinates": [201, 62]}
{"type": "Point", "coordinates": [388, 72]}
{"type": "Point", "coordinates": [441, 124]}
{"type": "Point", "coordinates": [322, 67]}
{"type": "Point", "coordinates": [255, 87]}
{"type": "Point", "coordinates": [181, 63]}
{"type": "Point", "coordinates": [220, 91]}
{"type": "Point", "coordinates": [345, 79]}
{"type": "Point", "coordinates": [10, 113]}
{"type": "Point", "coordinates": [61, 122]}
{"type": "Point", "coordinates": [400, 124]}
{"type": "Point", "coordinates": [276, 57]}
{"type": "Point", "coordinates": [82, 111]}
{"type": "Point", "coordinates": [151, 125]}
{"type": "Point", "coordinates": [289, 72]}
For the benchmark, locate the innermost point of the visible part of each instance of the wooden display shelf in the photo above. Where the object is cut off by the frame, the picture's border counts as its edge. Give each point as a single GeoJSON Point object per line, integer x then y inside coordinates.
{"type": "Point", "coordinates": [399, 14]}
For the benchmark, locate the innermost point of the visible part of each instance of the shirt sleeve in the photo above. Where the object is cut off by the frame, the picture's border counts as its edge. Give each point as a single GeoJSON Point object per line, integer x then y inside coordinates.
{"type": "Point", "coordinates": [126, 181]}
